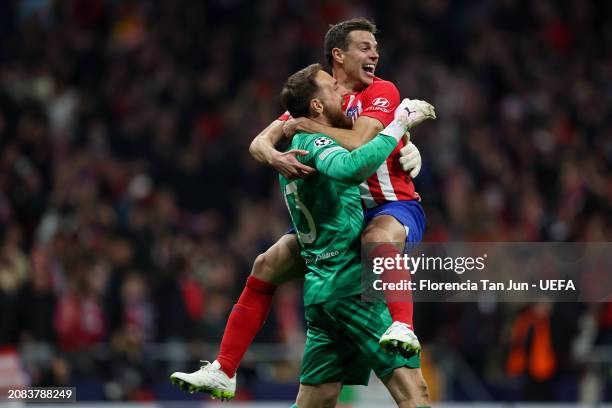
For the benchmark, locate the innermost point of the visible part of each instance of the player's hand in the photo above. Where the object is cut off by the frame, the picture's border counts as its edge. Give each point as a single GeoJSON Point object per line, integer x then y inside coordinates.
{"type": "Point", "coordinates": [410, 159]}
{"type": "Point", "coordinates": [287, 164]}
{"type": "Point", "coordinates": [411, 112]}
{"type": "Point", "coordinates": [290, 127]}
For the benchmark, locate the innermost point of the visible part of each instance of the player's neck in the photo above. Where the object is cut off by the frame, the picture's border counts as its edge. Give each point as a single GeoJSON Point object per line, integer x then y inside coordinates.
{"type": "Point", "coordinates": [321, 120]}
{"type": "Point", "coordinates": [346, 81]}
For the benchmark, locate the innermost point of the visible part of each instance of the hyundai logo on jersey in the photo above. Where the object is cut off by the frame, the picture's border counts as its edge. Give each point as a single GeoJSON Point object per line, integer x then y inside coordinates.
{"type": "Point", "coordinates": [381, 102]}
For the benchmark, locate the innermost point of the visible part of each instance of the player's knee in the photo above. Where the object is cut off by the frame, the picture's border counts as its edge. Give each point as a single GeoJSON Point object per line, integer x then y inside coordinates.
{"type": "Point", "coordinates": [384, 228]}
{"type": "Point", "coordinates": [374, 234]}
{"type": "Point", "coordinates": [319, 396]}
{"type": "Point", "coordinates": [422, 392]}
{"type": "Point", "coordinates": [419, 392]}
{"type": "Point", "coordinates": [329, 397]}
{"type": "Point", "coordinates": [261, 267]}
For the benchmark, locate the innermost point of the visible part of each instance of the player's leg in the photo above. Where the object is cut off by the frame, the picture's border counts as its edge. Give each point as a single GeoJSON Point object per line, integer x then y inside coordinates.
{"type": "Point", "coordinates": [381, 233]}
{"type": "Point", "coordinates": [318, 396]}
{"type": "Point", "coordinates": [364, 322]}
{"type": "Point", "coordinates": [280, 263]}
{"type": "Point", "coordinates": [403, 224]}
{"type": "Point", "coordinates": [408, 387]}
{"type": "Point", "coordinates": [330, 359]}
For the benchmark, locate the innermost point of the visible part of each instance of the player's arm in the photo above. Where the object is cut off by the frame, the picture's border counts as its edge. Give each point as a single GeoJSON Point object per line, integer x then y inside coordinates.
{"type": "Point", "coordinates": [364, 129]}
{"type": "Point", "coordinates": [410, 159]}
{"type": "Point", "coordinates": [356, 166]}
{"type": "Point", "coordinates": [379, 102]}
{"type": "Point", "coordinates": [263, 150]}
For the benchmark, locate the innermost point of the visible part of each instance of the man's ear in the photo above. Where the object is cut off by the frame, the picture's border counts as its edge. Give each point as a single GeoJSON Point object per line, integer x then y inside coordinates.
{"type": "Point", "coordinates": [338, 55]}
{"type": "Point", "coordinates": [316, 106]}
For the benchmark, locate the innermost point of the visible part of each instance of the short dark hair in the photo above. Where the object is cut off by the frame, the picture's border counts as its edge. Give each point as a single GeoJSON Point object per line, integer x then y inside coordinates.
{"type": "Point", "coordinates": [337, 35]}
{"type": "Point", "coordinates": [299, 90]}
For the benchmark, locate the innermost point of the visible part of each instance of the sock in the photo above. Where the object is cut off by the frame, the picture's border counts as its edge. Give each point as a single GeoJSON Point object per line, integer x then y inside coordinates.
{"type": "Point", "coordinates": [398, 302]}
{"type": "Point", "coordinates": [244, 322]}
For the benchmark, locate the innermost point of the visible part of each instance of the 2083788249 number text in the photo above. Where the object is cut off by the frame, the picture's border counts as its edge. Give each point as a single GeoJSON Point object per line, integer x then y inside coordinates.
{"type": "Point", "coordinates": [41, 394]}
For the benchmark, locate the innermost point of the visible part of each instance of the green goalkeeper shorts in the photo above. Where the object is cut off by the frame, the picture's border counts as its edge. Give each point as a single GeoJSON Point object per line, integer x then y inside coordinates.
{"type": "Point", "coordinates": [342, 343]}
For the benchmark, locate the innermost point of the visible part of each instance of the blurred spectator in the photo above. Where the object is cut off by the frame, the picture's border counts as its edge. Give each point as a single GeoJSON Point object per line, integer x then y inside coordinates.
{"type": "Point", "coordinates": [59, 374]}
{"type": "Point", "coordinates": [37, 300]}
{"type": "Point", "coordinates": [130, 368]}
{"type": "Point", "coordinates": [79, 320]}
{"type": "Point", "coordinates": [14, 268]}
{"type": "Point", "coordinates": [137, 309]}
{"type": "Point", "coordinates": [532, 355]}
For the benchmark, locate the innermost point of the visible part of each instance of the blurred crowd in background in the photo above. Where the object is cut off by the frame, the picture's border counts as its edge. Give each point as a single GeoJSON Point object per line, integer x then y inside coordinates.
{"type": "Point", "coordinates": [130, 209]}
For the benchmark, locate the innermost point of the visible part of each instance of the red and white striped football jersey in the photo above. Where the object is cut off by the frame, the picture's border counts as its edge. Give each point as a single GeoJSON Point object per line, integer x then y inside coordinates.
{"type": "Point", "coordinates": [390, 182]}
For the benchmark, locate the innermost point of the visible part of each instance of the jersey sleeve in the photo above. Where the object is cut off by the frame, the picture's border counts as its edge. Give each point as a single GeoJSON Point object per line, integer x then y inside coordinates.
{"type": "Point", "coordinates": [284, 117]}
{"type": "Point", "coordinates": [353, 167]}
{"type": "Point", "coordinates": [380, 101]}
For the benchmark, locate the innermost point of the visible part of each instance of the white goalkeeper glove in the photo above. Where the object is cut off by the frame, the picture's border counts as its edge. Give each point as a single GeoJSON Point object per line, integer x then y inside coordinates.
{"type": "Point", "coordinates": [408, 114]}
{"type": "Point", "coordinates": [410, 159]}
{"type": "Point", "coordinates": [418, 110]}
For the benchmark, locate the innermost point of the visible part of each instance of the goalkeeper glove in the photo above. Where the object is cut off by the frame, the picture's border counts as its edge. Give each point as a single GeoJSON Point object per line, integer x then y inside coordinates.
{"type": "Point", "coordinates": [410, 159]}
{"type": "Point", "coordinates": [418, 111]}
{"type": "Point", "coordinates": [408, 114]}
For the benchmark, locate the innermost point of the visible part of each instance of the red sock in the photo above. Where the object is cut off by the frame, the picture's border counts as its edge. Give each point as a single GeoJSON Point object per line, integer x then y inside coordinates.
{"type": "Point", "coordinates": [398, 302]}
{"type": "Point", "coordinates": [245, 321]}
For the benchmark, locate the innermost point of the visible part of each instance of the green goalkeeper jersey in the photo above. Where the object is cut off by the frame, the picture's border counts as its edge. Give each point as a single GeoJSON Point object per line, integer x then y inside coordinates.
{"type": "Point", "coordinates": [326, 212]}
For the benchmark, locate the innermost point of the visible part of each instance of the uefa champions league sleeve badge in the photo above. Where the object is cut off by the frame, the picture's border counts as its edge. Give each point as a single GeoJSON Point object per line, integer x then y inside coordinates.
{"type": "Point", "coordinates": [323, 141]}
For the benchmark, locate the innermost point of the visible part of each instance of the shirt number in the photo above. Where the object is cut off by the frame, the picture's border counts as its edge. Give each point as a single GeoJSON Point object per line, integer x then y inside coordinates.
{"type": "Point", "coordinates": [304, 237]}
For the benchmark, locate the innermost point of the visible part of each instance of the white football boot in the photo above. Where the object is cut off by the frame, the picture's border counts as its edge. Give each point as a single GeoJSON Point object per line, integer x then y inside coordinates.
{"type": "Point", "coordinates": [209, 379]}
{"type": "Point", "coordinates": [400, 337]}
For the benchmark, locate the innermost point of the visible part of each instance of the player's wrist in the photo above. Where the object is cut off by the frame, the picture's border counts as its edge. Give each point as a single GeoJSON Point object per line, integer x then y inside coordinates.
{"type": "Point", "coordinates": [395, 129]}
{"type": "Point", "coordinates": [273, 157]}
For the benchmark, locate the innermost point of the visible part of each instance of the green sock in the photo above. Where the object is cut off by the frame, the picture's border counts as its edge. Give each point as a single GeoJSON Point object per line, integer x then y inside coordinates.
{"type": "Point", "coordinates": [294, 406]}
{"type": "Point", "coordinates": [423, 406]}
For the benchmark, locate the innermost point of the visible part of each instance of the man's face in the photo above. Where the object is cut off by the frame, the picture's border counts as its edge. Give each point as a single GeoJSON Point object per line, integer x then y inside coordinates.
{"type": "Point", "coordinates": [361, 57]}
{"type": "Point", "coordinates": [330, 95]}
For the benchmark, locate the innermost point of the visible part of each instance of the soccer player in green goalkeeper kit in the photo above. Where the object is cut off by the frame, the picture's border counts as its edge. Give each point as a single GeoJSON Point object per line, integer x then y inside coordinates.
{"type": "Point", "coordinates": [342, 344]}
